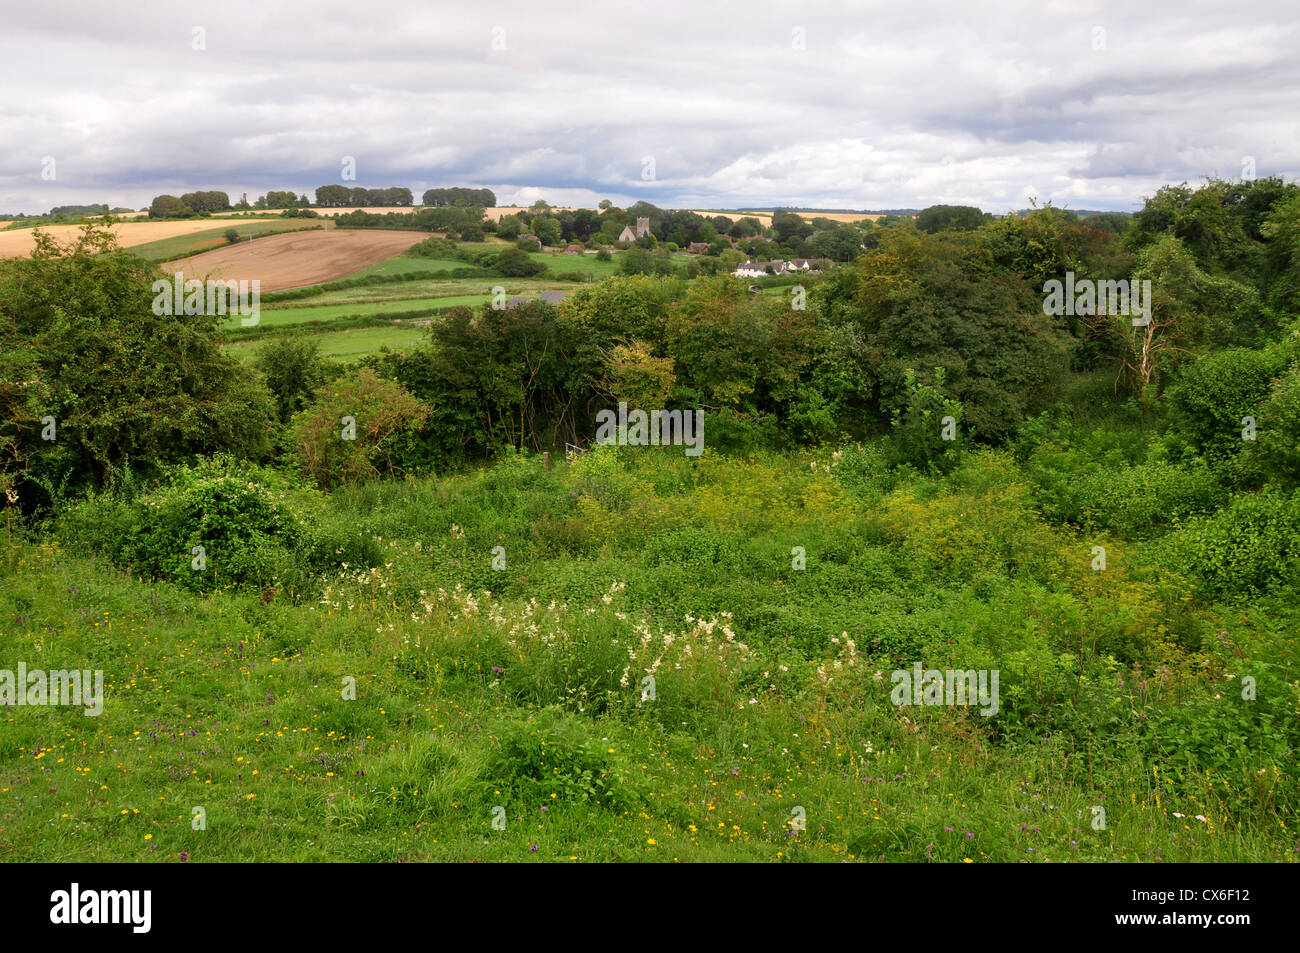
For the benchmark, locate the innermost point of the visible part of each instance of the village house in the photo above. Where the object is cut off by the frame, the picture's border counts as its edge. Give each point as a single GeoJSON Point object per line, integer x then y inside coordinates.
{"type": "Point", "coordinates": [698, 248]}
{"type": "Point", "coordinates": [758, 269]}
{"type": "Point", "coordinates": [630, 234]}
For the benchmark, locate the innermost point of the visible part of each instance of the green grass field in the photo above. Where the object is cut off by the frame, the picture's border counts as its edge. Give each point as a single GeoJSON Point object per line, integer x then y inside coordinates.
{"type": "Point", "coordinates": [279, 317]}
{"type": "Point", "coordinates": [421, 289]}
{"type": "Point", "coordinates": [390, 299]}
{"type": "Point", "coordinates": [407, 264]}
{"type": "Point", "coordinates": [770, 735]}
{"type": "Point", "coordinates": [562, 264]}
{"type": "Point", "coordinates": [345, 344]}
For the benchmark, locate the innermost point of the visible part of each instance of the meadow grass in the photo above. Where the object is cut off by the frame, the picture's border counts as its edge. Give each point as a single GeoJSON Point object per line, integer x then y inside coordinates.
{"type": "Point", "coordinates": [419, 290]}
{"type": "Point", "coordinates": [521, 687]}
{"type": "Point", "coordinates": [279, 316]}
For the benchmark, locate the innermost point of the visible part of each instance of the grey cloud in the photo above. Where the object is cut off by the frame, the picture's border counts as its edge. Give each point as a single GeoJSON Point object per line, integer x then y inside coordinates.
{"type": "Point", "coordinates": [721, 95]}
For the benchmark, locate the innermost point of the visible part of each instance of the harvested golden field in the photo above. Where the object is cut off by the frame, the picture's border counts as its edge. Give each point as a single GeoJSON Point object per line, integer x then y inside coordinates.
{"type": "Point", "coordinates": [500, 211]}
{"type": "Point", "coordinates": [19, 243]}
{"type": "Point", "coordinates": [765, 218]}
{"type": "Point", "coordinates": [840, 216]}
{"type": "Point", "coordinates": [296, 259]}
{"type": "Point", "coordinates": [372, 209]}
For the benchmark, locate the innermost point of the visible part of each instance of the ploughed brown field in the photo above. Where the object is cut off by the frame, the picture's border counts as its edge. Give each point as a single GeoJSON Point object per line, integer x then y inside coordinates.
{"type": "Point", "coordinates": [20, 242]}
{"type": "Point", "coordinates": [296, 259]}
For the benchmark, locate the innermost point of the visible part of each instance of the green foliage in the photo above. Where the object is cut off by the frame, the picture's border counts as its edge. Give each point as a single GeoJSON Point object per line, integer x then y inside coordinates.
{"type": "Point", "coordinates": [514, 263]}
{"type": "Point", "coordinates": [1281, 266]}
{"type": "Point", "coordinates": [1276, 448]}
{"type": "Point", "coordinates": [1122, 681]}
{"type": "Point", "coordinates": [926, 429]}
{"type": "Point", "coordinates": [1212, 395]}
{"type": "Point", "coordinates": [923, 302]}
{"type": "Point", "coordinates": [960, 218]}
{"type": "Point", "coordinates": [169, 206]}
{"type": "Point", "coordinates": [236, 513]}
{"type": "Point", "coordinates": [1250, 547]}
{"type": "Point", "coordinates": [359, 427]}
{"type": "Point", "coordinates": [839, 243]}
{"type": "Point", "coordinates": [1130, 501]}
{"type": "Point", "coordinates": [547, 229]}
{"type": "Point", "coordinates": [125, 386]}
{"type": "Point", "coordinates": [642, 261]}
{"type": "Point", "coordinates": [551, 758]}
{"type": "Point", "coordinates": [294, 369]}
{"type": "Point", "coordinates": [205, 202]}
{"type": "Point", "coordinates": [1221, 222]}
{"type": "Point", "coordinates": [491, 379]}
{"type": "Point", "coordinates": [338, 196]}
{"type": "Point", "coordinates": [1203, 308]}
{"type": "Point", "coordinates": [458, 196]}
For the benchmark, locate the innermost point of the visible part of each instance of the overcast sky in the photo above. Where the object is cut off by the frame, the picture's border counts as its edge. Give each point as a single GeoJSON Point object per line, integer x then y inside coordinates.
{"type": "Point", "coordinates": [684, 104]}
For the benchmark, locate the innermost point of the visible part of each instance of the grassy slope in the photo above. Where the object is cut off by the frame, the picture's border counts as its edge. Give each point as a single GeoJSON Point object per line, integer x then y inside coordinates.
{"type": "Point", "coordinates": [223, 702]}
{"type": "Point", "coordinates": [182, 246]}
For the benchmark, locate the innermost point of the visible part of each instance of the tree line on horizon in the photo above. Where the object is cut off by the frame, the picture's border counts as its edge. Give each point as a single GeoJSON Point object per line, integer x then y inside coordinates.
{"type": "Point", "coordinates": [192, 204]}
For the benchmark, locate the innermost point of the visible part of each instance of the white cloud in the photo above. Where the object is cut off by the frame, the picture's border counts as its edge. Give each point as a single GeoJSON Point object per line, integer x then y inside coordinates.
{"type": "Point", "coordinates": [885, 106]}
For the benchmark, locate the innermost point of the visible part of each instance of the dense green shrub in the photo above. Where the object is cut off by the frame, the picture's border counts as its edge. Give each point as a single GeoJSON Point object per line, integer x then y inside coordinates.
{"type": "Point", "coordinates": [513, 263]}
{"type": "Point", "coordinates": [1101, 492]}
{"type": "Point", "coordinates": [924, 301]}
{"type": "Point", "coordinates": [1211, 397]}
{"type": "Point", "coordinates": [1275, 452]}
{"type": "Point", "coordinates": [241, 517]}
{"type": "Point", "coordinates": [294, 369]}
{"type": "Point", "coordinates": [359, 427]}
{"type": "Point", "coordinates": [1250, 547]}
{"type": "Point", "coordinates": [124, 386]}
{"type": "Point", "coordinates": [926, 429]}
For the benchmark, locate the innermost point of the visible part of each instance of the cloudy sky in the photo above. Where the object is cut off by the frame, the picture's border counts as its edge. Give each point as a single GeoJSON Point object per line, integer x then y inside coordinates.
{"type": "Point", "coordinates": [684, 104]}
